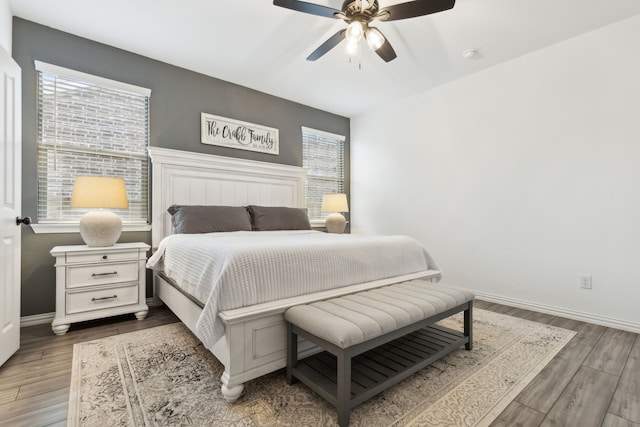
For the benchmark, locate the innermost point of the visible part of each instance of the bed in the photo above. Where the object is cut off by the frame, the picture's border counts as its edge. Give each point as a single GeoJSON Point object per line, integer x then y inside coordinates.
{"type": "Point", "coordinates": [248, 335]}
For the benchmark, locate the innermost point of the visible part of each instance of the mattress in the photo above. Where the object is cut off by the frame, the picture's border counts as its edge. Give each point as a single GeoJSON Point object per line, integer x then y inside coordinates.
{"type": "Point", "coordinates": [237, 269]}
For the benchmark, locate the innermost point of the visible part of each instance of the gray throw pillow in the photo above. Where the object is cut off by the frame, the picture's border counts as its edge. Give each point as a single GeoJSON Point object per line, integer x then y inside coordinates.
{"type": "Point", "coordinates": [209, 219]}
{"type": "Point", "coordinates": [271, 218]}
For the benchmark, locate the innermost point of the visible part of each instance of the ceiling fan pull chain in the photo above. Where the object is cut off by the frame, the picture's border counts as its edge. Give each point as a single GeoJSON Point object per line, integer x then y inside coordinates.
{"type": "Point", "coordinates": [359, 62]}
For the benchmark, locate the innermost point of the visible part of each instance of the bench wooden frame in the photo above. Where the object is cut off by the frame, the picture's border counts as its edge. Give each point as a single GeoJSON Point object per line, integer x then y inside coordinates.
{"type": "Point", "coordinates": [395, 355]}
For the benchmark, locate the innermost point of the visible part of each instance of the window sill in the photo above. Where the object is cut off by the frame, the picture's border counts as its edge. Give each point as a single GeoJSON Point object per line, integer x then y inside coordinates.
{"type": "Point", "coordinates": [74, 228]}
{"type": "Point", "coordinates": [317, 223]}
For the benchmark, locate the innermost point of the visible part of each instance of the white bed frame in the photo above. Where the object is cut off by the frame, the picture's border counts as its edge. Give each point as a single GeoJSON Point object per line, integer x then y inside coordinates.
{"type": "Point", "coordinates": [254, 343]}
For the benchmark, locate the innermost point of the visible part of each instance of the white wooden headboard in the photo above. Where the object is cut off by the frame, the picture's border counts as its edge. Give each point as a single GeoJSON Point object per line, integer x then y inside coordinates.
{"type": "Point", "coordinates": [187, 178]}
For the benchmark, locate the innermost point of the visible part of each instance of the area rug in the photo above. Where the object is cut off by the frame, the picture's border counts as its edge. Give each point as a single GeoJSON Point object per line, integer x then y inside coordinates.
{"type": "Point", "coordinates": [163, 376]}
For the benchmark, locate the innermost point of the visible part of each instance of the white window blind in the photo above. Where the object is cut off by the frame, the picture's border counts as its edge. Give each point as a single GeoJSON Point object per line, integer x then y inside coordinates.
{"type": "Point", "coordinates": [323, 157]}
{"type": "Point", "coordinates": [88, 125]}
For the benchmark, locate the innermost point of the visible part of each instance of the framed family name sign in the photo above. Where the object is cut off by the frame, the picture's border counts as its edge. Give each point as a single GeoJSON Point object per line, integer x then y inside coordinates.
{"type": "Point", "coordinates": [224, 132]}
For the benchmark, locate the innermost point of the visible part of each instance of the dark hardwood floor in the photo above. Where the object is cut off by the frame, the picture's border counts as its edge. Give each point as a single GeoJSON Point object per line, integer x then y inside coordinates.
{"type": "Point", "coordinates": [593, 381]}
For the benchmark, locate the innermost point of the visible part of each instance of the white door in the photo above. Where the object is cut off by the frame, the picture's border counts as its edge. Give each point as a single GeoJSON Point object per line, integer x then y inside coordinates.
{"type": "Point", "coordinates": [10, 204]}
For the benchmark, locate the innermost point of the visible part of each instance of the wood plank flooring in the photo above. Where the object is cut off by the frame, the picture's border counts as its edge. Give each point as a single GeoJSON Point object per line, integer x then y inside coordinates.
{"type": "Point", "coordinates": [593, 381]}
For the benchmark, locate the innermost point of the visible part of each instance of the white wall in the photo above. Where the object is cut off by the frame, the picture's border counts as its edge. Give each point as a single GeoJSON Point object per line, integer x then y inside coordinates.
{"type": "Point", "coordinates": [520, 178]}
{"type": "Point", "coordinates": [6, 21]}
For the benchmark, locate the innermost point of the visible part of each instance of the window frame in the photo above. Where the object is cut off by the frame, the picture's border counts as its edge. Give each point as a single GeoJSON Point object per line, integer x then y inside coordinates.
{"type": "Point", "coordinates": [72, 225]}
{"type": "Point", "coordinates": [337, 138]}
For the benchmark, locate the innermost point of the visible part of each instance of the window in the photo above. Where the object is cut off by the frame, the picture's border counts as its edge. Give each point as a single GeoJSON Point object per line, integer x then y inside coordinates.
{"type": "Point", "coordinates": [89, 125]}
{"type": "Point", "coordinates": [323, 156]}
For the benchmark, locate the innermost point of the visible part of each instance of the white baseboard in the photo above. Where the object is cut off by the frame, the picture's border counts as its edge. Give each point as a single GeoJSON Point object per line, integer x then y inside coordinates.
{"type": "Point", "coordinates": [40, 319]}
{"type": "Point", "coordinates": [562, 312]}
{"type": "Point", "coordinates": [611, 322]}
{"type": "Point", "coordinates": [36, 319]}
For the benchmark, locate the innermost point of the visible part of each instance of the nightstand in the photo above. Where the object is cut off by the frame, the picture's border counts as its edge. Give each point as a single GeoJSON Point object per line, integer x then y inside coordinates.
{"type": "Point", "coordinates": [96, 282]}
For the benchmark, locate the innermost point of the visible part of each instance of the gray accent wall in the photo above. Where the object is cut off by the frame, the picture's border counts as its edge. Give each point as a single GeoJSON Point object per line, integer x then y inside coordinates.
{"type": "Point", "coordinates": [178, 97]}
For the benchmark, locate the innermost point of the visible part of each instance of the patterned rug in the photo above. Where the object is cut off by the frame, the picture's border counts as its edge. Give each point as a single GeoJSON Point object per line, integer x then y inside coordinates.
{"type": "Point", "coordinates": [163, 376]}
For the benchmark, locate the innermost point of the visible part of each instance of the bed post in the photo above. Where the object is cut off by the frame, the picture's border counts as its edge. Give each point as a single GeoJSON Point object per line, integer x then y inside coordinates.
{"type": "Point", "coordinates": [230, 394]}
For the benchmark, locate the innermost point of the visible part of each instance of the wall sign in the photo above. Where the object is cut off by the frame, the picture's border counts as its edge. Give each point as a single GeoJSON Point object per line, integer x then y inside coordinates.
{"type": "Point", "coordinates": [231, 133]}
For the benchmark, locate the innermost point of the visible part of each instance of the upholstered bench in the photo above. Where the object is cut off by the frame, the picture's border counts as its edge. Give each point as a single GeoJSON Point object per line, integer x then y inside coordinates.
{"type": "Point", "coordinates": [377, 338]}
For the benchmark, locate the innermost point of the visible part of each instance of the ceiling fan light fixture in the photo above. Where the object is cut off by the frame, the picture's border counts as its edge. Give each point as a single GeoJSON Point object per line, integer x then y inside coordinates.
{"type": "Point", "coordinates": [355, 31]}
{"type": "Point", "coordinates": [375, 39]}
{"type": "Point", "coordinates": [351, 48]}
{"type": "Point", "coordinates": [358, 14]}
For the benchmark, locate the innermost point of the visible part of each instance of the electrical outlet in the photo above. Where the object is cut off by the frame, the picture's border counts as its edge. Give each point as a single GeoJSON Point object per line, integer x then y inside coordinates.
{"type": "Point", "coordinates": [585, 282]}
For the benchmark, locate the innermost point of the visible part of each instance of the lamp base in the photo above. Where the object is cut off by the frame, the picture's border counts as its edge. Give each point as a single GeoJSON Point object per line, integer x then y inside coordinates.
{"type": "Point", "coordinates": [100, 228]}
{"type": "Point", "coordinates": [335, 223]}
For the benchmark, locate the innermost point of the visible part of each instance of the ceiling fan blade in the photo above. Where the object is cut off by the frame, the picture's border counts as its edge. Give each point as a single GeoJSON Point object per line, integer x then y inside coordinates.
{"type": "Point", "coordinates": [313, 9]}
{"type": "Point", "coordinates": [325, 47]}
{"type": "Point", "coordinates": [414, 8]}
{"type": "Point", "coordinates": [386, 52]}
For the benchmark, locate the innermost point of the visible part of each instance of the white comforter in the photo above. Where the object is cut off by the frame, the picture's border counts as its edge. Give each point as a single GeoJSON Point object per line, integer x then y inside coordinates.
{"type": "Point", "coordinates": [242, 268]}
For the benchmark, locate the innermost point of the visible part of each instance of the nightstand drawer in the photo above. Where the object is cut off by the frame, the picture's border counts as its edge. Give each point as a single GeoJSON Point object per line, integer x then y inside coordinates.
{"type": "Point", "coordinates": [96, 299]}
{"type": "Point", "coordinates": [87, 275]}
{"type": "Point", "coordinates": [97, 257]}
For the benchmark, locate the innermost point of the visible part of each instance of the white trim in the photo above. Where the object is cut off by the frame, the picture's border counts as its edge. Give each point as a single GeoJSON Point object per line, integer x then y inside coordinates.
{"type": "Point", "coordinates": [317, 223]}
{"type": "Point", "coordinates": [562, 312]}
{"type": "Point", "coordinates": [323, 133]}
{"type": "Point", "coordinates": [90, 78]}
{"type": "Point", "coordinates": [36, 319]}
{"type": "Point", "coordinates": [239, 315]}
{"type": "Point", "coordinates": [75, 228]}
{"type": "Point", "coordinates": [194, 160]}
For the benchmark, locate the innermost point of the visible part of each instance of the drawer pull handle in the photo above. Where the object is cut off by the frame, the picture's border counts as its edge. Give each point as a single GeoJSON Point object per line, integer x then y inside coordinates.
{"type": "Point", "coordinates": [104, 274]}
{"type": "Point", "coordinates": [103, 298]}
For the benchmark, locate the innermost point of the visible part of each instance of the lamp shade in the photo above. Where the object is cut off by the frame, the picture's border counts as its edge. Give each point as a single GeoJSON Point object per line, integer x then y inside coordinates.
{"type": "Point", "coordinates": [99, 192]}
{"type": "Point", "coordinates": [100, 227]}
{"type": "Point", "coordinates": [334, 203]}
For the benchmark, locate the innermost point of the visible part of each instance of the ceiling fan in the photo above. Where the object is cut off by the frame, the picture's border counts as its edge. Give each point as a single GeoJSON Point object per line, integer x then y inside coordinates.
{"type": "Point", "coordinates": [359, 14]}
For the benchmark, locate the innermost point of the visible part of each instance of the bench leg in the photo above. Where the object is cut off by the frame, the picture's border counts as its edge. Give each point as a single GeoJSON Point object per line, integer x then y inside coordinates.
{"type": "Point", "coordinates": [292, 353]}
{"type": "Point", "coordinates": [344, 389]}
{"type": "Point", "coordinates": [468, 326]}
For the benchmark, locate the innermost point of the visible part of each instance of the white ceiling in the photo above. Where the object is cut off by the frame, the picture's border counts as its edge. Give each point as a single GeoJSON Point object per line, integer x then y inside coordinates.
{"type": "Point", "coordinates": [263, 47]}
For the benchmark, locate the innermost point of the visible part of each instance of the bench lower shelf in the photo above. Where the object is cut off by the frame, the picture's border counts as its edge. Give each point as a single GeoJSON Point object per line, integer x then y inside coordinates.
{"type": "Point", "coordinates": [377, 369]}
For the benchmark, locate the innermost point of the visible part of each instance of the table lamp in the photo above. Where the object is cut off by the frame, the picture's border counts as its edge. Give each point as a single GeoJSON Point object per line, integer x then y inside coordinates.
{"type": "Point", "coordinates": [335, 203]}
{"type": "Point", "coordinates": [99, 227]}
